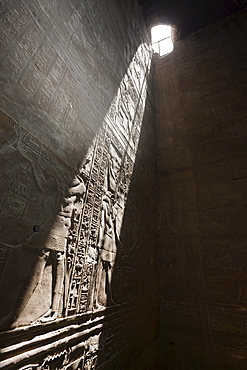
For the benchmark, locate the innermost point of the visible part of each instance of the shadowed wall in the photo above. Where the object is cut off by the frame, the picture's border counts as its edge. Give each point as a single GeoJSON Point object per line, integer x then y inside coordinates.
{"type": "Point", "coordinates": [200, 92]}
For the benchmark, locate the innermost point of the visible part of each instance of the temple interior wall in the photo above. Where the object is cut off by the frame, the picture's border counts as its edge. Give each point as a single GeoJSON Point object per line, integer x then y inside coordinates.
{"type": "Point", "coordinates": [201, 110]}
{"type": "Point", "coordinates": [122, 191]}
{"type": "Point", "coordinates": [78, 207]}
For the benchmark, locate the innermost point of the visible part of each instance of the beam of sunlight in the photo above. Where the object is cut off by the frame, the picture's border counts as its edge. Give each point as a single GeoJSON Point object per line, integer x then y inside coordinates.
{"type": "Point", "coordinates": [94, 238]}
{"type": "Point", "coordinates": [88, 225]}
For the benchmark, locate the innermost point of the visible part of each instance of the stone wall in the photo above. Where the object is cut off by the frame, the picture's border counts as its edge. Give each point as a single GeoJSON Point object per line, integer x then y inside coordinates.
{"type": "Point", "coordinates": [201, 105]}
{"type": "Point", "coordinates": [77, 199]}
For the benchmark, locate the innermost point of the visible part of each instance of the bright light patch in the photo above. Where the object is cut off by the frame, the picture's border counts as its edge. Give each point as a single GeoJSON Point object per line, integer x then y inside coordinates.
{"type": "Point", "coordinates": [162, 39]}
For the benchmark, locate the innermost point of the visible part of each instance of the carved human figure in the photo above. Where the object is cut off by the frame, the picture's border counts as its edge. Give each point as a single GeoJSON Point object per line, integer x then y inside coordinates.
{"type": "Point", "coordinates": [49, 241]}
{"type": "Point", "coordinates": [68, 214]}
{"type": "Point", "coordinates": [108, 241]}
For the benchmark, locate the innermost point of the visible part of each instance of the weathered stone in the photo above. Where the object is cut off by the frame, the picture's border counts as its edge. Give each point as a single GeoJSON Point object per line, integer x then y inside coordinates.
{"type": "Point", "coordinates": [201, 147]}
{"type": "Point", "coordinates": [75, 184]}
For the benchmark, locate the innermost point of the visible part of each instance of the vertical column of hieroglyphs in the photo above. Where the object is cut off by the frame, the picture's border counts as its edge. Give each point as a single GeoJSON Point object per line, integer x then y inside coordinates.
{"type": "Point", "coordinates": [111, 163]}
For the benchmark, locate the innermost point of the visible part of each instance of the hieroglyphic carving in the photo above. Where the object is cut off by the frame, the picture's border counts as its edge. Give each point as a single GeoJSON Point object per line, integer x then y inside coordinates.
{"type": "Point", "coordinates": [228, 322]}
{"type": "Point", "coordinates": [92, 247]}
{"type": "Point", "coordinates": [92, 25]}
{"type": "Point", "coordinates": [89, 221]}
{"type": "Point", "coordinates": [91, 229]}
{"type": "Point", "coordinates": [73, 245]}
{"type": "Point", "coordinates": [13, 21]}
{"type": "Point", "coordinates": [81, 248]}
{"type": "Point", "coordinates": [82, 356]}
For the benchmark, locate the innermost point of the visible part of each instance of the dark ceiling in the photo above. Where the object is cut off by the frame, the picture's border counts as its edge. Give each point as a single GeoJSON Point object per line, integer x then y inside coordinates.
{"type": "Point", "coordinates": [189, 15]}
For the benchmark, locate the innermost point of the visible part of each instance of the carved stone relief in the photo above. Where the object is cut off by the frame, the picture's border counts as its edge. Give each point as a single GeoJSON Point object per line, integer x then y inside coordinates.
{"type": "Point", "coordinates": [86, 231]}
{"type": "Point", "coordinates": [72, 106]}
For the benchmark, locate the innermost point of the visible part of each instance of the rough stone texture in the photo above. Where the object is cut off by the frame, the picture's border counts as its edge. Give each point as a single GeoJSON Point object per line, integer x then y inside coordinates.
{"type": "Point", "coordinates": [201, 112]}
{"type": "Point", "coordinates": [77, 189]}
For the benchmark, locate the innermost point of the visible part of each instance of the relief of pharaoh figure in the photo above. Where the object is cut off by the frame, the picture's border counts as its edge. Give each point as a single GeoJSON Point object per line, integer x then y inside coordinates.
{"type": "Point", "coordinates": [108, 238]}
{"type": "Point", "coordinates": [108, 243]}
{"type": "Point", "coordinates": [58, 234]}
{"type": "Point", "coordinates": [49, 241]}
